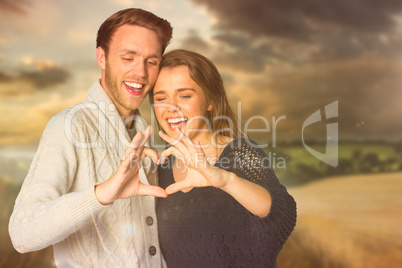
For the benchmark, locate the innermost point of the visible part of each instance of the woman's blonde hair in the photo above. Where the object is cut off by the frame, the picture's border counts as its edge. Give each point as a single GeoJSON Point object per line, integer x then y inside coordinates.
{"type": "Point", "coordinates": [222, 119]}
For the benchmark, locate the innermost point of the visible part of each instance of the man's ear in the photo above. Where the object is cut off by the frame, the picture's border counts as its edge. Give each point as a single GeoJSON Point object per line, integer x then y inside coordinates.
{"type": "Point", "coordinates": [101, 57]}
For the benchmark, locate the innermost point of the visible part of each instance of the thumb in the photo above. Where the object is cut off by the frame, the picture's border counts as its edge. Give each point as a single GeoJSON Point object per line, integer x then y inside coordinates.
{"type": "Point", "coordinates": [177, 186]}
{"type": "Point", "coordinates": [152, 191]}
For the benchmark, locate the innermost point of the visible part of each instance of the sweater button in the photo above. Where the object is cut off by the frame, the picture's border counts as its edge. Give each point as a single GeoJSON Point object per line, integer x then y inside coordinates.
{"type": "Point", "coordinates": [152, 250]}
{"type": "Point", "coordinates": [149, 220]}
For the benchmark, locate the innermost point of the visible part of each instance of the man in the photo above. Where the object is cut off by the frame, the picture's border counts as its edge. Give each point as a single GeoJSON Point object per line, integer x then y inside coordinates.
{"type": "Point", "coordinates": [87, 192]}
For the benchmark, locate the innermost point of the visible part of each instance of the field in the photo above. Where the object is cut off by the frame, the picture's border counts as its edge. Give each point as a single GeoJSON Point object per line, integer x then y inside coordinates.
{"type": "Point", "coordinates": [343, 222]}
{"type": "Point", "coordinates": [347, 222]}
{"type": "Point", "coordinates": [348, 216]}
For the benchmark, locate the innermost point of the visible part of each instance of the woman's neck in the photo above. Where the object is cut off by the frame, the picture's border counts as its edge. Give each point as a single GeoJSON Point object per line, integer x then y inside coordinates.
{"type": "Point", "coordinates": [213, 146]}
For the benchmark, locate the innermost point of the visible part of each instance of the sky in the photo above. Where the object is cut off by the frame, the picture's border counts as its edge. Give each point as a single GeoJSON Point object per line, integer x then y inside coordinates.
{"type": "Point", "coordinates": [281, 61]}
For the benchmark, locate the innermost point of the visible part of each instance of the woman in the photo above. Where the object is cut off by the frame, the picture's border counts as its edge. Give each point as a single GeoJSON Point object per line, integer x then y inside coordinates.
{"type": "Point", "coordinates": [225, 206]}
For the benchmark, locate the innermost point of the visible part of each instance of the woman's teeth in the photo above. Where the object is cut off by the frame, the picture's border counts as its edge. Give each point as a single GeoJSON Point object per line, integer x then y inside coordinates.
{"type": "Point", "coordinates": [177, 122]}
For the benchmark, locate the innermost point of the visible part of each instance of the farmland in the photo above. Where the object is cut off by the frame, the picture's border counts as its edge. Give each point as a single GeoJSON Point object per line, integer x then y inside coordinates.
{"type": "Point", "coordinates": [348, 216]}
{"type": "Point", "coordinates": [347, 222]}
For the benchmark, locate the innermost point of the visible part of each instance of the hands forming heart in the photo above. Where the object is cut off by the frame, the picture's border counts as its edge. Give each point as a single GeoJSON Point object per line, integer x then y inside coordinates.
{"type": "Point", "coordinates": [199, 172]}
{"type": "Point", "coordinates": [125, 183]}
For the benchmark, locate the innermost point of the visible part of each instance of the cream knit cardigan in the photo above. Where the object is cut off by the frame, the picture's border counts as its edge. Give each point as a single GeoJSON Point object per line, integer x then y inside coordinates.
{"type": "Point", "coordinates": [82, 146]}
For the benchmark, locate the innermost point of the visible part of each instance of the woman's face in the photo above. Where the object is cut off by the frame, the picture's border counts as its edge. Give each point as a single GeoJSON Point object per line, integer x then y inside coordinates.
{"type": "Point", "coordinates": [180, 103]}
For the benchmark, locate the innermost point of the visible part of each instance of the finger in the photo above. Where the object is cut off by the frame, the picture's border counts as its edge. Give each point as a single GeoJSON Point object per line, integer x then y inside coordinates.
{"type": "Point", "coordinates": [134, 149]}
{"type": "Point", "coordinates": [147, 135]}
{"type": "Point", "coordinates": [170, 140]}
{"type": "Point", "coordinates": [171, 151]}
{"type": "Point", "coordinates": [138, 146]}
{"type": "Point", "coordinates": [140, 138]}
{"type": "Point", "coordinates": [199, 150]}
{"type": "Point", "coordinates": [151, 153]}
{"type": "Point", "coordinates": [134, 143]}
{"type": "Point", "coordinates": [181, 144]}
{"type": "Point", "coordinates": [151, 190]}
{"type": "Point", "coordinates": [177, 186]}
{"type": "Point", "coordinates": [183, 138]}
{"type": "Point", "coordinates": [145, 138]}
{"type": "Point", "coordinates": [131, 155]}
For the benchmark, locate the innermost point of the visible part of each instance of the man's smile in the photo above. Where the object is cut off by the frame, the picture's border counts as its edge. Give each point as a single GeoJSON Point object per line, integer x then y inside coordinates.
{"type": "Point", "coordinates": [134, 88]}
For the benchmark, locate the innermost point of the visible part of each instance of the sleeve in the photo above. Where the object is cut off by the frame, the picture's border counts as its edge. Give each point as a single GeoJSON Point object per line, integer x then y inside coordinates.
{"type": "Point", "coordinates": [45, 212]}
{"type": "Point", "coordinates": [250, 162]}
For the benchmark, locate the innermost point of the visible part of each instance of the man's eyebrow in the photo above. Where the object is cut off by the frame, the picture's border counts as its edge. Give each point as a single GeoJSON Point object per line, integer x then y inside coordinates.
{"type": "Point", "coordinates": [128, 51]}
{"type": "Point", "coordinates": [134, 52]}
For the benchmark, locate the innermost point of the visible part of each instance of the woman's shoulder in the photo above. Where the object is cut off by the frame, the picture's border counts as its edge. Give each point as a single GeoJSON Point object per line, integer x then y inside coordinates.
{"type": "Point", "coordinates": [242, 144]}
{"type": "Point", "coordinates": [242, 149]}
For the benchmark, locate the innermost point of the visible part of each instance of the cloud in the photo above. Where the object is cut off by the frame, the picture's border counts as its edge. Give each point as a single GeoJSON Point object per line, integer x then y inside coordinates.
{"type": "Point", "coordinates": [368, 90]}
{"type": "Point", "coordinates": [5, 77]}
{"type": "Point", "coordinates": [293, 57]}
{"type": "Point", "coordinates": [44, 74]}
{"type": "Point", "coordinates": [193, 41]}
{"type": "Point", "coordinates": [14, 6]}
{"type": "Point", "coordinates": [33, 75]}
{"type": "Point", "coordinates": [124, 2]}
{"type": "Point", "coordinates": [296, 31]}
{"type": "Point", "coordinates": [303, 19]}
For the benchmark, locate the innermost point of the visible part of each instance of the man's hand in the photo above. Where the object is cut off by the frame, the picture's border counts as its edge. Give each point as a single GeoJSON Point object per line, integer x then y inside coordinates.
{"type": "Point", "coordinates": [125, 183]}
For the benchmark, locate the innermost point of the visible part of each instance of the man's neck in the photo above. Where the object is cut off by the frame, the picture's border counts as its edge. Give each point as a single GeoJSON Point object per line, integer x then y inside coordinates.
{"type": "Point", "coordinates": [130, 119]}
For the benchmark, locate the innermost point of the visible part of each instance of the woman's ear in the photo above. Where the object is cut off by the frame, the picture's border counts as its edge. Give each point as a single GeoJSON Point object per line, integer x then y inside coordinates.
{"type": "Point", "coordinates": [100, 57]}
{"type": "Point", "coordinates": [210, 107]}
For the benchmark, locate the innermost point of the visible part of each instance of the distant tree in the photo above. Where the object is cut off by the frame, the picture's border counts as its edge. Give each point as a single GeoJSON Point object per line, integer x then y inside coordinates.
{"type": "Point", "coordinates": [306, 173]}
{"type": "Point", "coordinates": [398, 147]}
{"type": "Point", "coordinates": [346, 166]}
{"type": "Point", "coordinates": [370, 162]}
{"type": "Point", "coordinates": [356, 154]}
{"type": "Point", "coordinates": [390, 163]}
{"type": "Point", "coordinates": [356, 160]}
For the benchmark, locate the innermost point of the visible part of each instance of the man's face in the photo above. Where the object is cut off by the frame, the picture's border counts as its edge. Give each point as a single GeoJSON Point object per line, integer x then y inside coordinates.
{"type": "Point", "coordinates": [131, 67]}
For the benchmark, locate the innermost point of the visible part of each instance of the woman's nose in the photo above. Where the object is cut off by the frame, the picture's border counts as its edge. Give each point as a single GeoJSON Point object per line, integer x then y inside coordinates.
{"type": "Point", "coordinates": [172, 107]}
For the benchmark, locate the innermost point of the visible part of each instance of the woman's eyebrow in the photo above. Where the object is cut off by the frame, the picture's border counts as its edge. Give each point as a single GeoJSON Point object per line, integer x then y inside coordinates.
{"type": "Point", "coordinates": [159, 92]}
{"type": "Point", "coordinates": [184, 89]}
{"type": "Point", "coordinates": [178, 90]}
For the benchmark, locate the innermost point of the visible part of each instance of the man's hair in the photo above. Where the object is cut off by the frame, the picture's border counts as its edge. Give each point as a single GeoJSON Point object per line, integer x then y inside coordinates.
{"type": "Point", "coordinates": [221, 118]}
{"type": "Point", "coordinates": [134, 16]}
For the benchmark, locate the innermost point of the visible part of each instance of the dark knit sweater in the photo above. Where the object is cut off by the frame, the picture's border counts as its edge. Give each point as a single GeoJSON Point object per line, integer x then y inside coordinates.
{"type": "Point", "coordinates": [207, 227]}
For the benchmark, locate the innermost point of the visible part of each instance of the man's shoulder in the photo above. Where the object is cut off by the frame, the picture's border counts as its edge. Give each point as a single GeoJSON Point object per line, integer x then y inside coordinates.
{"type": "Point", "coordinates": [72, 111]}
{"type": "Point", "coordinates": [81, 113]}
{"type": "Point", "coordinates": [78, 125]}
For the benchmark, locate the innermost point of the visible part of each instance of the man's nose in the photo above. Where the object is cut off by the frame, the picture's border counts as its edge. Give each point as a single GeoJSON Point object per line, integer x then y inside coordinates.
{"type": "Point", "coordinates": [139, 69]}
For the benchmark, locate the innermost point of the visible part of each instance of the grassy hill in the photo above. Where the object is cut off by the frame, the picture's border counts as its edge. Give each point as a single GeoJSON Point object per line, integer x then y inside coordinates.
{"type": "Point", "coordinates": [347, 222]}
{"type": "Point", "coordinates": [295, 166]}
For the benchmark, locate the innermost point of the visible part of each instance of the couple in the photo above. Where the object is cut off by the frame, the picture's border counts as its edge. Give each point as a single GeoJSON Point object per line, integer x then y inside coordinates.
{"type": "Point", "coordinates": [90, 195]}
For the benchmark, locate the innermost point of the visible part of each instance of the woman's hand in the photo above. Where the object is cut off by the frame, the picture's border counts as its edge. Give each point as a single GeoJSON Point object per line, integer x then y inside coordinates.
{"type": "Point", "coordinates": [199, 172]}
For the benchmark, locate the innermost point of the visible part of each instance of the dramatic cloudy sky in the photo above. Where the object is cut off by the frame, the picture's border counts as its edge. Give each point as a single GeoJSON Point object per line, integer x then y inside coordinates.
{"type": "Point", "coordinates": [279, 58]}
